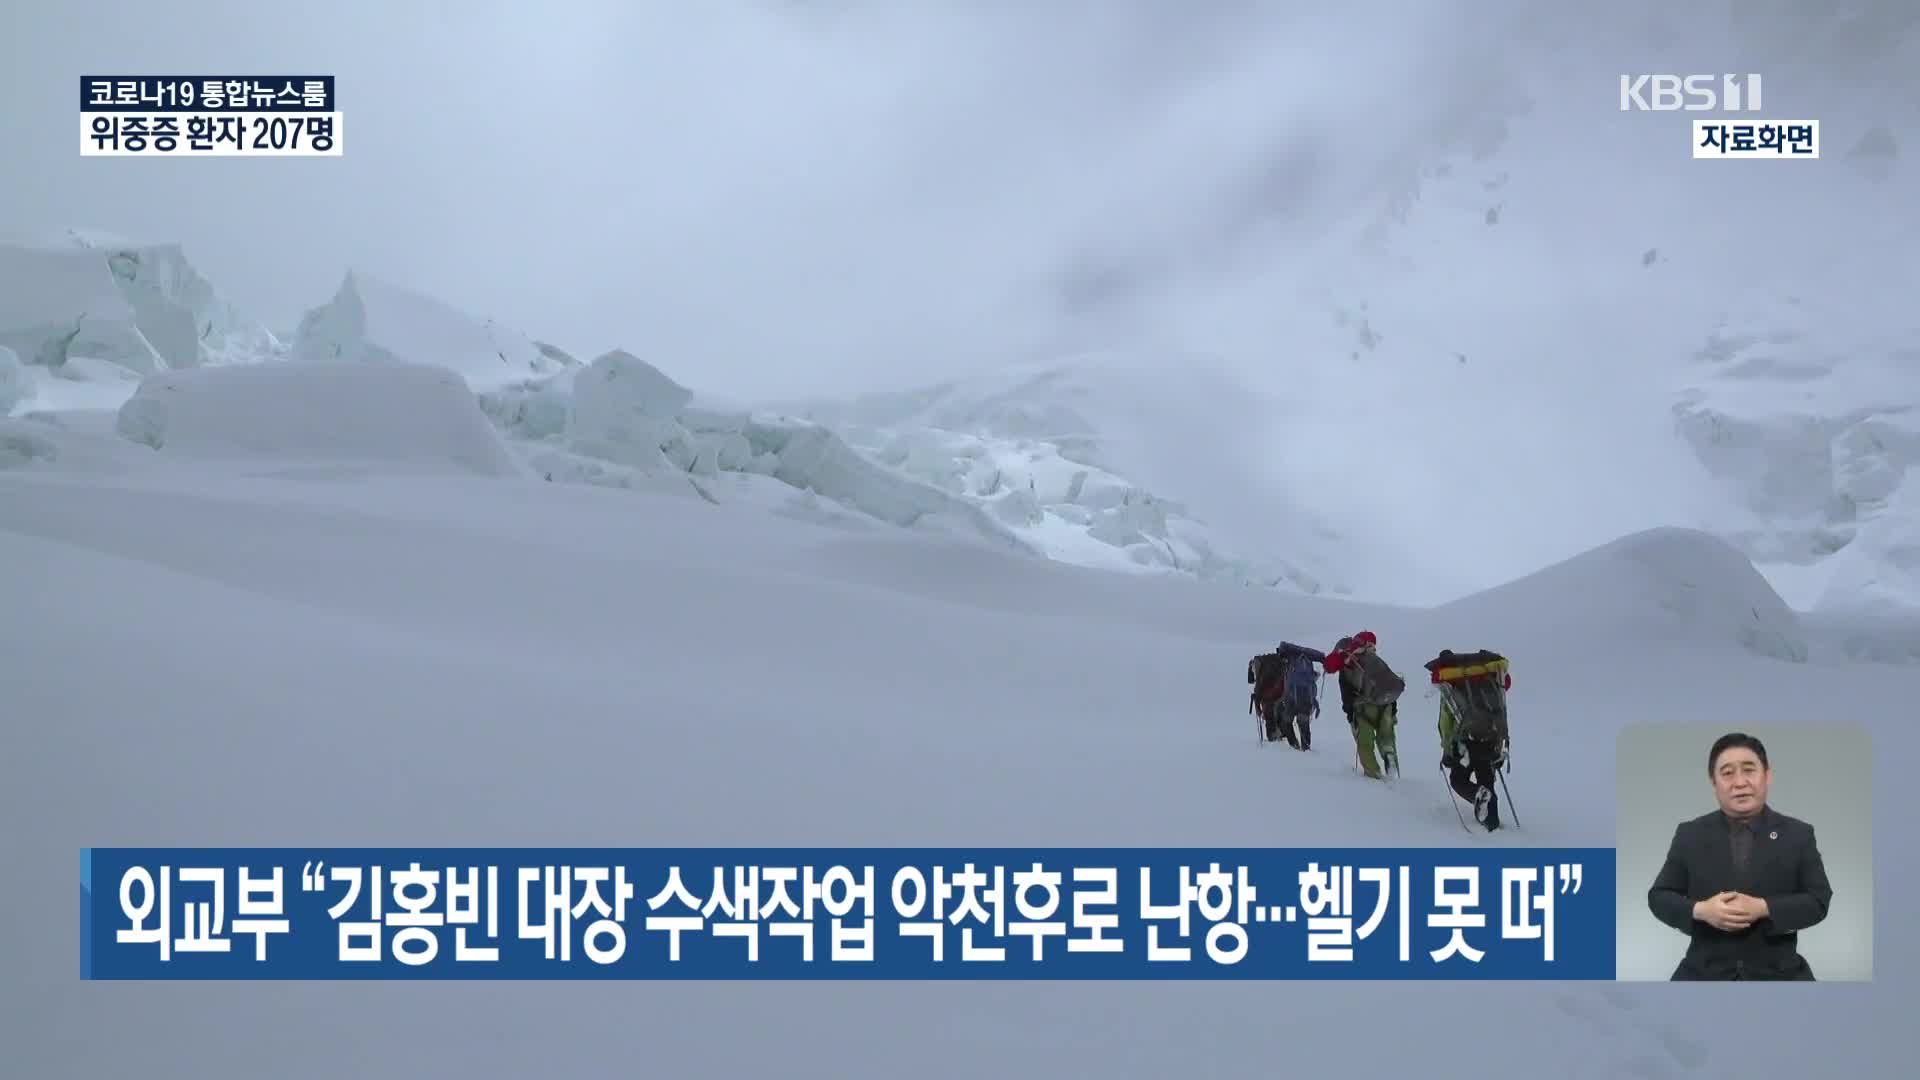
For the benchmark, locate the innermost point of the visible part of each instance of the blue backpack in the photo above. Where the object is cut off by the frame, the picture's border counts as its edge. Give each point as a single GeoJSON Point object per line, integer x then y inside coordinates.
{"type": "Point", "coordinates": [1303, 685]}
{"type": "Point", "coordinates": [1286, 673]}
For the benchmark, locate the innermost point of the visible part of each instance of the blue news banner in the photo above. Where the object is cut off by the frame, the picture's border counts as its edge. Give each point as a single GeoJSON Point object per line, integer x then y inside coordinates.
{"type": "Point", "coordinates": [846, 913]}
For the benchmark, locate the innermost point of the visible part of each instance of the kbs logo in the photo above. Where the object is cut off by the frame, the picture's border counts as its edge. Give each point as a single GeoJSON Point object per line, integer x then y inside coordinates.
{"type": "Point", "coordinates": [1692, 93]}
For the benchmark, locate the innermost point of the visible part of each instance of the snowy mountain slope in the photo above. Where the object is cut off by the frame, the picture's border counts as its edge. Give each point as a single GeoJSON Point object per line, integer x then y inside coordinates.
{"type": "Point", "coordinates": [1077, 507]}
{"type": "Point", "coordinates": [1811, 413]}
{"type": "Point", "coordinates": [1788, 435]}
{"type": "Point", "coordinates": [1527, 290]}
{"type": "Point", "coordinates": [300, 655]}
{"type": "Point", "coordinates": [1125, 462]}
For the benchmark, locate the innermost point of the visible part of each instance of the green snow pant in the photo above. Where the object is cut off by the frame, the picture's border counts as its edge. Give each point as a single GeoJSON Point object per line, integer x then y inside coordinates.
{"type": "Point", "coordinates": [1373, 726]}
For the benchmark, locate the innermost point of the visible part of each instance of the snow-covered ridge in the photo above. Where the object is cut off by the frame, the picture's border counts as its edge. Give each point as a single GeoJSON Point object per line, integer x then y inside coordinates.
{"type": "Point", "coordinates": [370, 320]}
{"type": "Point", "coordinates": [1661, 587]}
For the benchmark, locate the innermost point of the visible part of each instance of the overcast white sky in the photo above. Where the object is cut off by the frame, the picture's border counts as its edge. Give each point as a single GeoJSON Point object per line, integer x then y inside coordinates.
{"type": "Point", "coordinates": [793, 195]}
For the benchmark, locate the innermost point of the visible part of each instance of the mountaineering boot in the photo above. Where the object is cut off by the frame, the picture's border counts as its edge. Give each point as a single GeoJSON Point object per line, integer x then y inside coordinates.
{"type": "Point", "coordinates": [1486, 808]}
{"type": "Point", "coordinates": [1385, 737]}
{"type": "Point", "coordinates": [1278, 729]}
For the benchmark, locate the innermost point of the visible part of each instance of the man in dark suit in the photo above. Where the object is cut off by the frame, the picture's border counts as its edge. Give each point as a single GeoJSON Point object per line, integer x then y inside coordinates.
{"type": "Point", "coordinates": [1743, 881]}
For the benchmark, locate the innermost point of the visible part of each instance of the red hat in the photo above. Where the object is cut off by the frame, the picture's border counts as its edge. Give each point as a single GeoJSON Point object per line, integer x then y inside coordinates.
{"type": "Point", "coordinates": [1365, 637]}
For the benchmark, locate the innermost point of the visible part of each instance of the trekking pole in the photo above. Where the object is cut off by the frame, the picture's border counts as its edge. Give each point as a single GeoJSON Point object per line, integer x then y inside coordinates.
{"type": "Point", "coordinates": [1446, 792]}
{"type": "Point", "coordinates": [1504, 790]}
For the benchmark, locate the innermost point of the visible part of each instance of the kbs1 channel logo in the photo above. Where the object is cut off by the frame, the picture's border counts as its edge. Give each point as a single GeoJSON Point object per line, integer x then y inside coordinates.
{"type": "Point", "coordinates": [209, 116]}
{"type": "Point", "coordinates": [1722, 137]}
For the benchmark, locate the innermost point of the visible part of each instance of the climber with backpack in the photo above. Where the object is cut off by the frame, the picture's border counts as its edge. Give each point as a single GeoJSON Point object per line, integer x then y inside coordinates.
{"type": "Point", "coordinates": [1286, 693]}
{"type": "Point", "coordinates": [1475, 742]}
{"type": "Point", "coordinates": [1335, 659]}
{"type": "Point", "coordinates": [1374, 689]}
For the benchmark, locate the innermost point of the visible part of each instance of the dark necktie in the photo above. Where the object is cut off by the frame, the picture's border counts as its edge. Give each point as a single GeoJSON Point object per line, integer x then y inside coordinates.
{"type": "Point", "coordinates": [1742, 846]}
